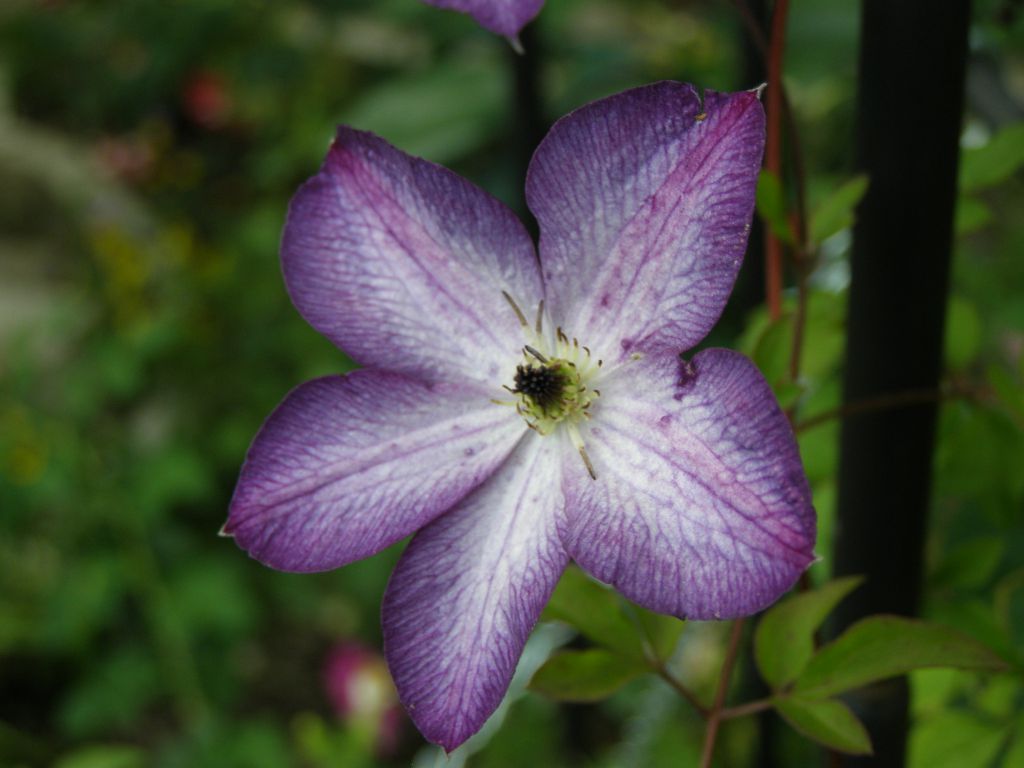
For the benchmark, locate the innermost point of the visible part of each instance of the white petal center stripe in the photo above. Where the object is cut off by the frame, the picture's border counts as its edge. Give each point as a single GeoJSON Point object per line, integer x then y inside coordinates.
{"type": "Point", "coordinates": [469, 589]}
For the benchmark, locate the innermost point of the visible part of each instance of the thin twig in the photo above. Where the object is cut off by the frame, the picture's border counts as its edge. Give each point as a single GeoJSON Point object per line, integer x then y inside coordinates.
{"type": "Point", "coordinates": [750, 708]}
{"type": "Point", "coordinates": [664, 673]}
{"type": "Point", "coordinates": [883, 403]}
{"type": "Point", "coordinates": [715, 716]}
{"type": "Point", "coordinates": [773, 151]}
{"type": "Point", "coordinates": [658, 664]}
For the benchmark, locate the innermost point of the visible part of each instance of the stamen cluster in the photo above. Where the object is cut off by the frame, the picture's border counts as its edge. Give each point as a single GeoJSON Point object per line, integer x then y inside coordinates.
{"type": "Point", "coordinates": [552, 386]}
{"type": "Point", "coordinates": [544, 385]}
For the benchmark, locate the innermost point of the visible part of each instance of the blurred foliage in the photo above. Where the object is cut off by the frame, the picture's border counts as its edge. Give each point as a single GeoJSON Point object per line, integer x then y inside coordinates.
{"type": "Point", "coordinates": [147, 153]}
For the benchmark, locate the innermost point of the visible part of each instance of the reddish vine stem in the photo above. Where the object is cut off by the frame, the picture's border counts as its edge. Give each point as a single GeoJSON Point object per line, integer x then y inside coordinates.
{"type": "Point", "coordinates": [773, 151]}
{"type": "Point", "coordinates": [882, 403]}
{"type": "Point", "coordinates": [715, 715]}
{"type": "Point", "coordinates": [796, 155]}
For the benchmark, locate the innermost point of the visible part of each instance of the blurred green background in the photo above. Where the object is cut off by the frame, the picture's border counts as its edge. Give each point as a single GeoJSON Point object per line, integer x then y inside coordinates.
{"type": "Point", "coordinates": [147, 153]}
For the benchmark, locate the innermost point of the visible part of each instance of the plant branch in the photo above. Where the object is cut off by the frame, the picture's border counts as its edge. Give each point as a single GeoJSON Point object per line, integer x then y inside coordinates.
{"type": "Point", "coordinates": [657, 663]}
{"type": "Point", "coordinates": [750, 708]}
{"type": "Point", "coordinates": [715, 715]}
{"type": "Point", "coordinates": [885, 402]}
{"type": "Point", "coordinates": [773, 151]}
{"type": "Point", "coordinates": [664, 673]}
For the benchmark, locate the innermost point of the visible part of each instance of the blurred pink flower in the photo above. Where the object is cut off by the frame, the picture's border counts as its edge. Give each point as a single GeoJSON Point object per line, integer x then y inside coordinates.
{"type": "Point", "coordinates": [361, 693]}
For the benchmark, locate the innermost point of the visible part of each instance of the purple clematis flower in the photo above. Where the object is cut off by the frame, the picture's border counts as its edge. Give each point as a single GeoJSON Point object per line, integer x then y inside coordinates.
{"type": "Point", "coordinates": [503, 17]}
{"type": "Point", "coordinates": [517, 412]}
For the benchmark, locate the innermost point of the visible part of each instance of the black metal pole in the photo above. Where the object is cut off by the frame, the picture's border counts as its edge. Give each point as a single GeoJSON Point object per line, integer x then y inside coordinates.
{"type": "Point", "coordinates": [910, 103]}
{"type": "Point", "coordinates": [528, 124]}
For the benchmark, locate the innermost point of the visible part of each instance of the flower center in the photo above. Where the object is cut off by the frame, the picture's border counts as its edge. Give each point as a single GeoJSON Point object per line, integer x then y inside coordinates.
{"type": "Point", "coordinates": [545, 386]}
{"type": "Point", "coordinates": [552, 390]}
{"type": "Point", "coordinates": [553, 384]}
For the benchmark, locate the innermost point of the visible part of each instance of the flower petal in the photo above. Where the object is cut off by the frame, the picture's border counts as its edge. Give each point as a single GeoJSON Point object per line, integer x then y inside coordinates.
{"type": "Point", "coordinates": [503, 17]}
{"type": "Point", "coordinates": [701, 508]}
{"type": "Point", "coordinates": [469, 589]}
{"type": "Point", "coordinates": [348, 465]}
{"type": "Point", "coordinates": [644, 201]}
{"type": "Point", "coordinates": [401, 263]}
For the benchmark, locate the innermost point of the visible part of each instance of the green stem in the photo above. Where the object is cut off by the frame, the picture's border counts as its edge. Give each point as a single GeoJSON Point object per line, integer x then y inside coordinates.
{"type": "Point", "coordinates": [715, 715]}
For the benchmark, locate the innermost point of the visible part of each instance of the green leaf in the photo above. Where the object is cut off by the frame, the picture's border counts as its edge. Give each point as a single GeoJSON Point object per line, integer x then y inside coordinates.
{"type": "Point", "coordinates": [1007, 390]}
{"type": "Point", "coordinates": [955, 740]}
{"type": "Point", "coordinates": [971, 215]}
{"type": "Point", "coordinates": [103, 756]}
{"type": "Point", "coordinates": [595, 611]}
{"type": "Point", "coordinates": [963, 334]}
{"type": "Point", "coordinates": [1015, 752]}
{"type": "Point", "coordinates": [589, 675]}
{"type": "Point", "coordinates": [774, 348]}
{"type": "Point", "coordinates": [835, 212]}
{"type": "Point", "coordinates": [661, 631]}
{"type": "Point", "coordinates": [784, 639]}
{"type": "Point", "coordinates": [972, 563]}
{"type": "Point", "coordinates": [443, 113]}
{"type": "Point", "coordinates": [771, 205]}
{"type": "Point", "coordinates": [996, 161]}
{"type": "Point", "coordinates": [879, 647]}
{"type": "Point", "coordinates": [826, 721]}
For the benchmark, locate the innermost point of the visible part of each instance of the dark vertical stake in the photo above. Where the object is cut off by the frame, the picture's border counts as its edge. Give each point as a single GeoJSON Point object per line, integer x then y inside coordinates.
{"type": "Point", "coordinates": [749, 290]}
{"type": "Point", "coordinates": [910, 103]}
{"type": "Point", "coordinates": [528, 125]}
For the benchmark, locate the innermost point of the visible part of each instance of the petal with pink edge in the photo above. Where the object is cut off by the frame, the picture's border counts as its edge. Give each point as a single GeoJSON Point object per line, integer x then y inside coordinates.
{"type": "Point", "coordinates": [401, 263]}
{"type": "Point", "coordinates": [348, 465]}
{"type": "Point", "coordinates": [644, 201]}
{"type": "Point", "coordinates": [469, 589]}
{"type": "Point", "coordinates": [503, 17]}
{"type": "Point", "coordinates": [700, 508]}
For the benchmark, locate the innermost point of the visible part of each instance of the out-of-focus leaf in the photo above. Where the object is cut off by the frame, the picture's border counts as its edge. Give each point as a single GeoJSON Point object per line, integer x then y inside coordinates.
{"type": "Point", "coordinates": [773, 349]}
{"type": "Point", "coordinates": [83, 605]}
{"type": "Point", "coordinates": [996, 161]}
{"type": "Point", "coordinates": [589, 675]}
{"type": "Point", "coordinates": [661, 631]}
{"type": "Point", "coordinates": [972, 563]}
{"type": "Point", "coordinates": [971, 215]}
{"type": "Point", "coordinates": [828, 722]}
{"type": "Point", "coordinates": [978, 617]}
{"type": "Point", "coordinates": [784, 639]}
{"type": "Point", "coordinates": [879, 647]}
{"type": "Point", "coordinates": [963, 333]}
{"type": "Point", "coordinates": [442, 114]}
{"type": "Point", "coordinates": [955, 740]}
{"type": "Point", "coordinates": [771, 205]}
{"type": "Point", "coordinates": [595, 611]}
{"type": "Point", "coordinates": [1015, 752]}
{"type": "Point", "coordinates": [106, 756]}
{"type": "Point", "coordinates": [770, 342]}
{"type": "Point", "coordinates": [1010, 393]}
{"type": "Point", "coordinates": [112, 695]}
{"type": "Point", "coordinates": [210, 598]}
{"type": "Point", "coordinates": [999, 697]}
{"type": "Point", "coordinates": [836, 211]}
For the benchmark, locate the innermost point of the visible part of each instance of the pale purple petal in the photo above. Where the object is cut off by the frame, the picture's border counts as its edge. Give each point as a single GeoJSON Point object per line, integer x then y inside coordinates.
{"type": "Point", "coordinates": [700, 508]}
{"type": "Point", "coordinates": [503, 17]}
{"type": "Point", "coordinates": [401, 263]}
{"type": "Point", "coordinates": [644, 201]}
{"type": "Point", "coordinates": [469, 589]}
{"type": "Point", "coordinates": [347, 465]}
